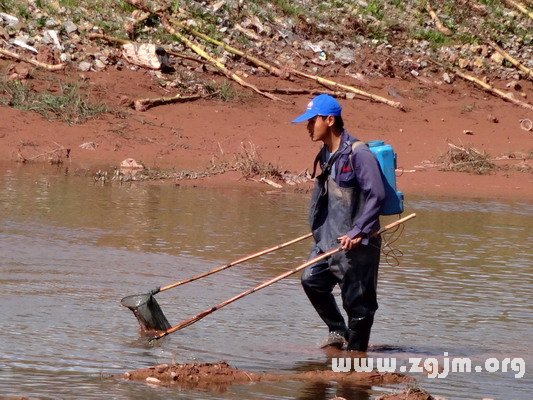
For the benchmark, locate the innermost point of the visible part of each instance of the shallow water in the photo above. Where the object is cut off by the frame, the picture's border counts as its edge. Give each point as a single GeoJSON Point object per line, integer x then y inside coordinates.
{"type": "Point", "coordinates": [71, 249]}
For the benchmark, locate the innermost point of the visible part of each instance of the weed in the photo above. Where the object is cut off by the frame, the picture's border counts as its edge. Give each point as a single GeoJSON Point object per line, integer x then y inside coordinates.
{"type": "Point", "coordinates": [468, 108]}
{"type": "Point", "coordinates": [375, 8]}
{"type": "Point", "coordinates": [69, 105]}
{"type": "Point", "coordinates": [6, 5]}
{"type": "Point", "coordinates": [23, 12]}
{"type": "Point", "coordinates": [226, 91]}
{"type": "Point", "coordinates": [466, 159]}
{"type": "Point", "coordinates": [40, 22]}
{"type": "Point", "coordinates": [435, 38]}
{"type": "Point", "coordinates": [249, 164]}
{"type": "Point", "coordinates": [288, 7]}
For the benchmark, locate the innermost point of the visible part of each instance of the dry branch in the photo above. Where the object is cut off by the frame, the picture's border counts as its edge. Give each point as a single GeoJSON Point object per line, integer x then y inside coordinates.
{"type": "Point", "coordinates": [186, 57]}
{"type": "Point", "coordinates": [107, 38]}
{"type": "Point", "coordinates": [438, 24]}
{"type": "Point", "coordinates": [336, 85]}
{"type": "Point", "coordinates": [512, 60]}
{"type": "Point", "coordinates": [145, 104]}
{"type": "Point", "coordinates": [519, 6]}
{"type": "Point", "coordinates": [49, 67]}
{"type": "Point", "coordinates": [491, 89]}
{"type": "Point", "coordinates": [215, 62]}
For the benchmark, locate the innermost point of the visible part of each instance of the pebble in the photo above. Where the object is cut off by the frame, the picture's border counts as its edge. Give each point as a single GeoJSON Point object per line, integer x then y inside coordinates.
{"type": "Point", "coordinates": [70, 27]}
{"type": "Point", "coordinates": [152, 380]}
{"type": "Point", "coordinates": [84, 66]}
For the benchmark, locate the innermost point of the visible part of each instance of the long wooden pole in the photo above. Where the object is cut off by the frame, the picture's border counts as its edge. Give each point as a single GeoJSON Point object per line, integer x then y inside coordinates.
{"type": "Point", "coordinates": [231, 264]}
{"type": "Point", "coordinates": [205, 313]}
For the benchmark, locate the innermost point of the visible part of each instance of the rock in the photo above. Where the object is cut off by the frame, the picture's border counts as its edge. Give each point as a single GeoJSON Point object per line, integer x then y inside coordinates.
{"type": "Point", "coordinates": [51, 37]}
{"type": "Point", "coordinates": [415, 73]}
{"type": "Point", "coordinates": [141, 54]}
{"type": "Point", "coordinates": [497, 58]}
{"type": "Point", "coordinates": [447, 78]}
{"type": "Point", "coordinates": [345, 56]}
{"type": "Point", "coordinates": [70, 27]}
{"type": "Point", "coordinates": [9, 20]}
{"type": "Point", "coordinates": [51, 23]}
{"type": "Point", "coordinates": [153, 380]}
{"type": "Point", "coordinates": [130, 163]}
{"type": "Point", "coordinates": [514, 85]}
{"type": "Point", "coordinates": [22, 43]}
{"type": "Point", "coordinates": [88, 146]}
{"type": "Point", "coordinates": [478, 62]}
{"type": "Point", "coordinates": [350, 96]}
{"type": "Point", "coordinates": [64, 57]}
{"type": "Point", "coordinates": [468, 132]}
{"type": "Point", "coordinates": [463, 63]}
{"type": "Point", "coordinates": [99, 65]}
{"type": "Point", "coordinates": [84, 66]}
{"type": "Point", "coordinates": [492, 119]}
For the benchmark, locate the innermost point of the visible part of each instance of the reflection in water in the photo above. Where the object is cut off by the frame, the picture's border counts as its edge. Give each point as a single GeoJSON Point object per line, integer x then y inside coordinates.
{"type": "Point", "coordinates": [71, 249]}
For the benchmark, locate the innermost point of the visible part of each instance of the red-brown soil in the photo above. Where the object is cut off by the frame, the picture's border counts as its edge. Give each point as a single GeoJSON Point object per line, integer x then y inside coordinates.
{"type": "Point", "coordinates": [219, 376]}
{"type": "Point", "coordinates": [191, 135]}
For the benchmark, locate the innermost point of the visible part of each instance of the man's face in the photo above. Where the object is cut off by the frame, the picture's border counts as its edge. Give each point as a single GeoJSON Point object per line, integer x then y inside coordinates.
{"type": "Point", "coordinates": [318, 127]}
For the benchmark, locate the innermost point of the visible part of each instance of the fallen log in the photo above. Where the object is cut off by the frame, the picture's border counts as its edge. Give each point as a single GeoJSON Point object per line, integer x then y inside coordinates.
{"type": "Point", "coordinates": [215, 62]}
{"type": "Point", "coordinates": [491, 89]}
{"type": "Point", "coordinates": [519, 6]}
{"type": "Point", "coordinates": [438, 24]}
{"type": "Point", "coordinates": [49, 67]}
{"type": "Point", "coordinates": [145, 104]}
{"type": "Point", "coordinates": [335, 85]}
{"type": "Point", "coordinates": [512, 60]}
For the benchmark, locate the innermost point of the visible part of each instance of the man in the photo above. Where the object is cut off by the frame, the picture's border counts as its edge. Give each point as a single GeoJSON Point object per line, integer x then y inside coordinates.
{"type": "Point", "coordinates": [345, 208]}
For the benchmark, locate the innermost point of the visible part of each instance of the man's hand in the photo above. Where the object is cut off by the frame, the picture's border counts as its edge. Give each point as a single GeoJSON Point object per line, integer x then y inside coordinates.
{"type": "Point", "coordinates": [347, 243]}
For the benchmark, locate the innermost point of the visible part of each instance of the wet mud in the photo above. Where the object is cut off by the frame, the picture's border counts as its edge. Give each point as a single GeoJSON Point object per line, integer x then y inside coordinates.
{"type": "Point", "coordinates": [218, 376]}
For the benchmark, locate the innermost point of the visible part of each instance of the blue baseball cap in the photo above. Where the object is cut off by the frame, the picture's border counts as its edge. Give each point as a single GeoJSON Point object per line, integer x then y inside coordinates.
{"type": "Point", "coordinates": [323, 105]}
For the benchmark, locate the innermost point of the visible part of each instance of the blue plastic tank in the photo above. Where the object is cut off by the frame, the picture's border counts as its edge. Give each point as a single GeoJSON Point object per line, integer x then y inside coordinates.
{"type": "Point", "coordinates": [387, 161]}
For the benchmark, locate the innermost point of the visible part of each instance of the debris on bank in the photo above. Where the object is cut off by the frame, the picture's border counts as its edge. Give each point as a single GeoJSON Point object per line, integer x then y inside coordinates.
{"type": "Point", "coordinates": [186, 45]}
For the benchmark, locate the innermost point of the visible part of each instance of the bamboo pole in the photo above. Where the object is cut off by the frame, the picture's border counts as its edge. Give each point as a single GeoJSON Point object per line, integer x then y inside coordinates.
{"type": "Point", "coordinates": [512, 60]}
{"type": "Point", "coordinates": [254, 60]}
{"type": "Point", "coordinates": [491, 89]}
{"type": "Point", "coordinates": [336, 85]}
{"type": "Point", "coordinates": [438, 24]}
{"type": "Point", "coordinates": [215, 62]}
{"type": "Point", "coordinates": [519, 6]}
{"type": "Point", "coordinates": [49, 67]}
{"type": "Point", "coordinates": [274, 70]}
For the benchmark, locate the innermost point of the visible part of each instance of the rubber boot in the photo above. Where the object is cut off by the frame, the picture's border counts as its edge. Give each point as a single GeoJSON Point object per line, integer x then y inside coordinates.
{"type": "Point", "coordinates": [359, 333]}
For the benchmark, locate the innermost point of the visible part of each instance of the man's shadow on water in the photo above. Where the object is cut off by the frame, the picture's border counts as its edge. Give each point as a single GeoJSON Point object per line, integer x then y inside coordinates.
{"type": "Point", "coordinates": [329, 390]}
